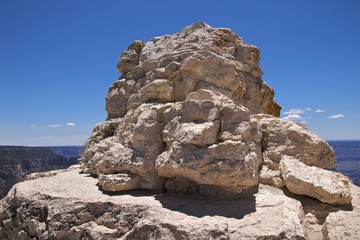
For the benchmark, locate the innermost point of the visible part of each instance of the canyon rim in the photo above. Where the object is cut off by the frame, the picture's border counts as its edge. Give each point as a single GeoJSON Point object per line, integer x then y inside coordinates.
{"type": "Point", "coordinates": [192, 148]}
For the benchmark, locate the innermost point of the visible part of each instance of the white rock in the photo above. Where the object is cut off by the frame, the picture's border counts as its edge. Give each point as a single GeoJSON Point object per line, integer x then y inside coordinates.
{"type": "Point", "coordinates": [283, 137]}
{"type": "Point", "coordinates": [324, 185]}
{"type": "Point", "coordinates": [119, 182]}
{"type": "Point", "coordinates": [271, 177]}
{"type": "Point", "coordinates": [60, 204]}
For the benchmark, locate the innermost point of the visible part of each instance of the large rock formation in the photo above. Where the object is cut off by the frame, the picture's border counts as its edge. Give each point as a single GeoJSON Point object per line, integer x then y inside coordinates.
{"type": "Point", "coordinates": [190, 116]}
{"type": "Point", "coordinates": [191, 109]}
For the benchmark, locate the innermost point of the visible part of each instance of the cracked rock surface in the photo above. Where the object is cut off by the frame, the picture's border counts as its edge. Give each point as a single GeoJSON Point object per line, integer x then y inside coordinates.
{"type": "Point", "coordinates": [191, 109]}
{"type": "Point", "coordinates": [192, 148]}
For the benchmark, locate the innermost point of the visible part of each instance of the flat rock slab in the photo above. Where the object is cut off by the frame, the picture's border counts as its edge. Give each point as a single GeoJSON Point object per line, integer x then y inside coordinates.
{"type": "Point", "coordinates": [324, 185]}
{"type": "Point", "coordinates": [69, 205]}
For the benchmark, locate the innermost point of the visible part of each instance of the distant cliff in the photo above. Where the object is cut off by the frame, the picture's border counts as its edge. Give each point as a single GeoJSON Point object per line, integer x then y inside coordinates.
{"type": "Point", "coordinates": [67, 151]}
{"type": "Point", "coordinates": [347, 158]}
{"type": "Point", "coordinates": [17, 161]}
{"type": "Point", "coordinates": [194, 132]}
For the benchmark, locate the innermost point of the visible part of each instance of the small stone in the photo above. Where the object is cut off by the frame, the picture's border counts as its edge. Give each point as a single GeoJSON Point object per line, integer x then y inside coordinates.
{"type": "Point", "coordinates": [119, 182]}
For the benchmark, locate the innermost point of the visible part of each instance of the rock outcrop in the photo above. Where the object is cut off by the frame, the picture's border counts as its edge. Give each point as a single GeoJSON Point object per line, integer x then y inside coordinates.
{"type": "Point", "coordinates": [194, 133]}
{"type": "Point", "coordinates": [191, 109]}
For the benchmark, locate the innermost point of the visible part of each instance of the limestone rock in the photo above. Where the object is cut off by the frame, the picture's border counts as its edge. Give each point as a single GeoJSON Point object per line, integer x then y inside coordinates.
{"type": "Point", "coordinates": [271, 177]}
{"type": "Point", "coordinates": [342, 225]}
{"type": "Point", "coordinates": [194, 150]}
{"type": "Point", "coordinates": [191, 93]}
{"type": "Point", "coordinates": [130, 58]}
{"type": "Point", "coordinates": [192, 105]}
{"type": "Point", "coordinates": [119, 182]}
{"type": "Point", "coordinates": [324, 185]}
{"type": "Point", "coordinates": [283, 137]}
{"type": "Point", "coordinates": [170, 67]}
{"type": "Point", "coordinates": [55, 208]}
{"type": "Point", "coordinates": [158, 90]}
{"type": "Point", "coordinates": [190, 116]}
{"type": "Point", "coordinates": [131, 150]}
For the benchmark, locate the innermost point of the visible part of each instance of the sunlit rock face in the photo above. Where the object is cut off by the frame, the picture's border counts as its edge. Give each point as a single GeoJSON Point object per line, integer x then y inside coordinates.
{"type": "Point", "coordinates": [190, 112]}
{"type": "Point", "coordinates": [190, 118]}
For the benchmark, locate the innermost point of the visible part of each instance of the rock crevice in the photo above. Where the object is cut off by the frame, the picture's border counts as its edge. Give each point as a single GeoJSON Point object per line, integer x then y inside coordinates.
{"type": "Point", "coordinates": [192, 105]}
{"type": "Point", "coordinates": [194, 132]}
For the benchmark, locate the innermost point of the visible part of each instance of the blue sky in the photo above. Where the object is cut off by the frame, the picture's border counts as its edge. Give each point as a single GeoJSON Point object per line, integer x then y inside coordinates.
{"type": "Point", "coordinates": [58, 59]}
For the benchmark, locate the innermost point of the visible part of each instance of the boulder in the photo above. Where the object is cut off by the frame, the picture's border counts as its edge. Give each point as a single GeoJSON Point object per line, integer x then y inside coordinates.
{"type": "Point", "coordinates": [324, 185]}
{"type": "Point", "coordinates": [196, 151]}
{"type": "Point", "coordinates": [283, 137]}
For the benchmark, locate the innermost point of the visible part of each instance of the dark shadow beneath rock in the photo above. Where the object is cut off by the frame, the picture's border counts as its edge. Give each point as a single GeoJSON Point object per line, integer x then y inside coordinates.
{"type": "Point", "coordinates": [201, 206]}
{"type": "Point", "coordinates": [196, 205]}
{"type": "Point", "coordinates": [319, 209]}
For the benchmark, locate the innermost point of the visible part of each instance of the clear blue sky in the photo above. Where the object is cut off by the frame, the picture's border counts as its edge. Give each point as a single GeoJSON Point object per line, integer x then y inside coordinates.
{"type": "Point", "coordinates": [58, 59]}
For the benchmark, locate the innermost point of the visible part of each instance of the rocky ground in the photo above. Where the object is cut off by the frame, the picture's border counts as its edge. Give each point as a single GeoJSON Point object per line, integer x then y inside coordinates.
{"type": "Point", "coordinates": [192, 148]}
{"type": "Point", "coordinates": [54, 207]}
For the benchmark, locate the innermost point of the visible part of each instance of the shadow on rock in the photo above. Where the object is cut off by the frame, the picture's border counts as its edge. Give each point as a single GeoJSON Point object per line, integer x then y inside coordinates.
{"type": "Point", "coordinates": [201, 206]}
{"type": "Point", "coordinates": [318, 209]}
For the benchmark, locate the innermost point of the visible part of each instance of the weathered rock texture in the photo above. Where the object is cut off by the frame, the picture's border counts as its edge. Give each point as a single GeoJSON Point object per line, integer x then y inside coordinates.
{"type": "Point", "coordinates": [324, 185]}
{"type": "Point", "coordinates": [191, 109]}
{"type": "Point", "coordinates": [68, 205]}
{"type": "Point", "coordinates": [190, 114]}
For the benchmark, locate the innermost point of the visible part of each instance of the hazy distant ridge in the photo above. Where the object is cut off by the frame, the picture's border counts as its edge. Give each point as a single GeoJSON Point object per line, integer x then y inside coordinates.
{"type": "Point", "coordinates": [347, 154]}
{"type": "Point", "coordinates": [18, 161]}
{"type": "Point", "coordinates": [67, 151]}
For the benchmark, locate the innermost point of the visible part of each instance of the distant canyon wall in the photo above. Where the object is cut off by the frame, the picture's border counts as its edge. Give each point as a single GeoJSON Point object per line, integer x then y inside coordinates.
{"type": "Point", "coordinates": [17, 161]}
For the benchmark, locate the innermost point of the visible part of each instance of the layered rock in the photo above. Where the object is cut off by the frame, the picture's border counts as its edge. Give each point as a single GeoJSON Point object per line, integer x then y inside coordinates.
{"type": "Point", "coordinates": [324, 185]}
{"type": "Point", "coordinates": [56, 208]}
{"type": "Point", "coordinates": [190, 114]}
{"type": "Point", "coordinates": [211, 141]}
{"type": "Point", "coordinates": [68, 205]}
{"type": "Point", "coordinates": [191, 109]}
{"type": "Point", "coordinates": [283, 137]}
{"type": "Point", "coordinates": [167, 68]}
